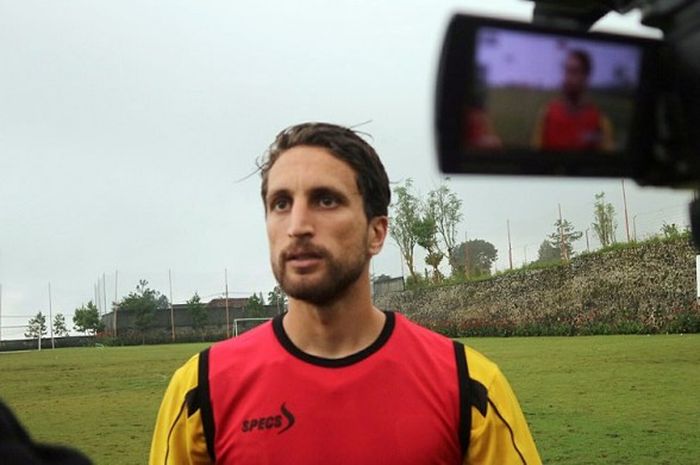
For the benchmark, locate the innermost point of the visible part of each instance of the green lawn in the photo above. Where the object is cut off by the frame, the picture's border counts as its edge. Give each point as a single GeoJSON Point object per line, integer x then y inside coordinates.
{"type": "Point", "coordinates": [607, 399]}
{"type": "Point", "coordinates": [589, 400]}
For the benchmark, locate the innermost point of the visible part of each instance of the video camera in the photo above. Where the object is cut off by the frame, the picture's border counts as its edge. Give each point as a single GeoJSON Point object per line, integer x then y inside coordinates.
{"type": "Point", "coordinates": [551, 98]}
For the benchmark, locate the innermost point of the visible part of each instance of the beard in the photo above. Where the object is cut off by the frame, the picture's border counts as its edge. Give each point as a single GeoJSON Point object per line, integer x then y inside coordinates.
{"type": "Point", "coordinates": [336, 279]}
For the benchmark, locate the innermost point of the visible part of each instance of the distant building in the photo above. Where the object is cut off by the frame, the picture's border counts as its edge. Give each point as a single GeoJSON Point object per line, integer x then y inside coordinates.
{"type": "Point", "coordinates": [122, 323]}
{"type": "Point", "coordinates": [384, 285]}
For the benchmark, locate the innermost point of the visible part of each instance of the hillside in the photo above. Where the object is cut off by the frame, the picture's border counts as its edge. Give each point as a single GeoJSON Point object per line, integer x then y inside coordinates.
{"type": "Point", "coordinates": [645, 288]}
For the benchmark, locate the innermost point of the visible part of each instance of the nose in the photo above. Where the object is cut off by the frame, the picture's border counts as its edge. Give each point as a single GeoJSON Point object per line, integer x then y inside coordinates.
{"type": "Point", "coordinates": [300, 221]}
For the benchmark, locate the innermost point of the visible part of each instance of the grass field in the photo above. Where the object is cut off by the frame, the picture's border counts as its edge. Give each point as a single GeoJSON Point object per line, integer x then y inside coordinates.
{"type": "Point", "coordinates": [589, 400]}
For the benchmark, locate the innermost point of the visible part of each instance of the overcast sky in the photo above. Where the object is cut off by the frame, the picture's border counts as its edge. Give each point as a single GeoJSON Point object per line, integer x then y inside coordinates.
{"type": "Point", "coordinates": [125, 128]}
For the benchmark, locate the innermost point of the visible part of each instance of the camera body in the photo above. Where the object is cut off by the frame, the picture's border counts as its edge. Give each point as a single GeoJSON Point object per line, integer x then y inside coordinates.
{"type": "Point", "coordinates": [550, 98]}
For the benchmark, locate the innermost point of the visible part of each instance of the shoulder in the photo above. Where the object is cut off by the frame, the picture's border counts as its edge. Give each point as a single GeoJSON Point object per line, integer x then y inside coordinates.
{"type": "Point", "coordinates": [245, 352]}
{"type": "Point", "coordinates": [591, 108]}
{"type": "Point", "coordinates": [481, 368]}
{"type": "Point", "coordinates": [555, 105]}
{"type": "Point", "coordinates": [183, 429]}
{"type": "Point", "coordinates": [499, 430]}
{"type": "Point", "coordinates": [249, 339]}
{"type": "Point", "coordinates": [186, 381]}
{"type": "Point", "coordinates": [437, 350]}
{"type": "Point", "coordinates": [186, 376]}
{"type": "Point", "coordinates": [418, 333]}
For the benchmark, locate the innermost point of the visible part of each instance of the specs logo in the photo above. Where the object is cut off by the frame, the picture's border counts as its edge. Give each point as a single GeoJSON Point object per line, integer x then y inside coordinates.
{"type": "Point", "coordinates": [282, 422]}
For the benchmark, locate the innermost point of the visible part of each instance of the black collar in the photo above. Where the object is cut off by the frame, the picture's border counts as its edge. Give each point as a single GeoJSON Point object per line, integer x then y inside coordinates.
{"type": "Point", "coordinates": [334, 362]}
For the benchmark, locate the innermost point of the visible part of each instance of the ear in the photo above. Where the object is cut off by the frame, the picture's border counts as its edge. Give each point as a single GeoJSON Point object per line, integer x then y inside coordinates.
{"type": "Point", "coordinates": [378, 229]}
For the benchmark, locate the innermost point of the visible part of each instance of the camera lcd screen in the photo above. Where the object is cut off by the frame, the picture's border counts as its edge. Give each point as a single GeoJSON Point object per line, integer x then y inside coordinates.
{"type": "Point", "coordinates": [550, 93]}
{"type": "Point", "coordinates": [515, 98]}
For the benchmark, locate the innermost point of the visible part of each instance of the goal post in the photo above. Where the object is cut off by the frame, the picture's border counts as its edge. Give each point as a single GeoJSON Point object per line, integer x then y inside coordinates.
{"type": "Point", "coordinates": [240, 326]}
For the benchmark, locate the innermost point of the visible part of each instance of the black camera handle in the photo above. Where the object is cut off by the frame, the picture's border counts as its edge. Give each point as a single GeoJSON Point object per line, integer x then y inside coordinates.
{"type": "Point", "coordinates": [580, 15]}
{"type": "Point", "coordinates": [675, 18]}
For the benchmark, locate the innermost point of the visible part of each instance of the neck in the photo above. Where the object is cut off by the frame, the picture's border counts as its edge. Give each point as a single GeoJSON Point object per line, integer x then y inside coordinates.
{"type": "Point", "coordinates": [574, 100]}
{"type": "Point", "coordinates": [338, 329]}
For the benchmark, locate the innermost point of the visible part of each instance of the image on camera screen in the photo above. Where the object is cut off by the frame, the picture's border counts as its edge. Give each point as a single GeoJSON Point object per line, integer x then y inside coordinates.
{"type": "Point", "coordinates": [550, 93]}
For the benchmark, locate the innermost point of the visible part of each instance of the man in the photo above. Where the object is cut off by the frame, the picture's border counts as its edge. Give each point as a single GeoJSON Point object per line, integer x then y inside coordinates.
{"type": "Point", "coordinates": [335, 380]}
{"type": "Point", "coordinates": [571, 121]}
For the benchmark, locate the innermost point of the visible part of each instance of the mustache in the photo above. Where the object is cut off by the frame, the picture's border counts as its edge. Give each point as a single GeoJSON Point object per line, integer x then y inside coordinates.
{"type": "Point", "coordinates": [303, 250]}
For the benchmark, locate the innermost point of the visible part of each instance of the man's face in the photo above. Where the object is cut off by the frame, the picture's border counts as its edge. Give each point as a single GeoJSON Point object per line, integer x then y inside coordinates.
{"type": "Point", "coordinates": [575, 77]}
{"type": "Point", "coordinates": [319, 236]}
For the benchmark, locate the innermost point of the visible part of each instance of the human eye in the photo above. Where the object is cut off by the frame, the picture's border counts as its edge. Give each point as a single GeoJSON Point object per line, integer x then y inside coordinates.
{"type": "Point", "coordinates": [328, 200]}
{"type": "Point", "coordinates": [280, 204]}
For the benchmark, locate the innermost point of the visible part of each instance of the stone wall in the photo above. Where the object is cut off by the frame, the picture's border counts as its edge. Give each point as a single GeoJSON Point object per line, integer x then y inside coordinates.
{"type": "Point", "coordinates": [643, 289]}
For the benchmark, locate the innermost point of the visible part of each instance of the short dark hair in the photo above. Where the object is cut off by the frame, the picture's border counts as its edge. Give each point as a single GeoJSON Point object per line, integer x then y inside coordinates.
{"type": "Point", "coordinates": [344, 144]}
{"type": "Point", "coordinates": [584, 58]}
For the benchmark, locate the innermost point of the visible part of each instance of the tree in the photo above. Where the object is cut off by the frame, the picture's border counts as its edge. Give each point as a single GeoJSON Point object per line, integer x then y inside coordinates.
{"type": "Point", "coordinates": [446, 209]}
{"type": "Point", "coordinates": [426, 237]}
{"type": "Point", "coordinates": [255, 306]}
{"type": "Point", "coordinates": [198, 313]}
{"type": "Point", "coordinates": [604, 224]}
{"type": "Point", "coordinates": [277, 298]}
{"type": "Point", "coordinates": [59, 325]}
{"type": "Point", "coordinates": [671, 231]}
{"type": "Point", "coordinates": [564, 237]}
{"type": "Point", "coordinates": [86, 319]}
{"type": "Point", "coordinates": [475, 257]}
{"type": "Point", "coordinates": [403, 222]}
{"type": "Point", "coordinates": [36, 328]}
{"type": "Point", "coordinates": [162, 302]}
{"type": "Point", "coordinates": [143, 304]}
{"type": "Point", "coordinates": [548, 252]}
